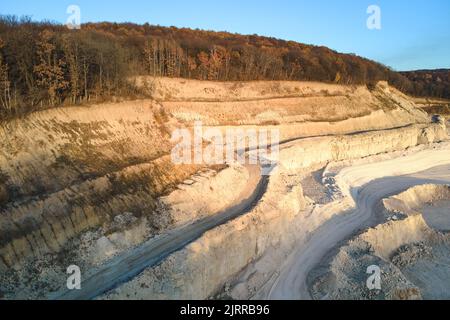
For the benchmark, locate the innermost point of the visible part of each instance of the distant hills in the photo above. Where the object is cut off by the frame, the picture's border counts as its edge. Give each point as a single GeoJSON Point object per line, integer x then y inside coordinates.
{"type": "Point", "coordinates": [430, 83]}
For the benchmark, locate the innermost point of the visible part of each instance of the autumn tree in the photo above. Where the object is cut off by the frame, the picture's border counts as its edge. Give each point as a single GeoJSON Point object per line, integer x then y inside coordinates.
{"type": "Point", "coordinates": [151, 60]}
{"type": "Point", "coordinates": [203, 59]}
{"type": "Point", "coordinates": [45, 64]}
{"type": "Point", "coordinates": [5, 95]}
{"type": "Point", "coordinates": [191, 65]}
{"type": "Point", "coordinates": [174, 59]}
{"type": "Point", "coordinates": [49, 71]}
{"type": "Point", "coordinates": [72, 54]}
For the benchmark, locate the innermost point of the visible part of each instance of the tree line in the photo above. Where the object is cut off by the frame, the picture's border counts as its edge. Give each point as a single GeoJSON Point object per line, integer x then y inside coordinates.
{"type": "Point", "coordinates": [430, 83]}
{"type": "Point", "coordinates": [43, 64]}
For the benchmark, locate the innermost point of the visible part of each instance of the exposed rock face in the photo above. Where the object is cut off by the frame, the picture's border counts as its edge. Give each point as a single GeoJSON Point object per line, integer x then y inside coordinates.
{"type": "Point", "coordinates": [204, 195]}
{"type": "Point", "coordinates": [309, 151]}
{"type": "Point", "coordinates": [203, 266]}
{"type": "Point", "coordinates": [246, 238]}
{"type": "Point", "coordinates": [104, 173]}
{"type": "Point", "coordinates": [297, 109]}
{"type": "Point", "coordinates": [64, 171]}
{"type": "Point", "coordinates": [412, 200]}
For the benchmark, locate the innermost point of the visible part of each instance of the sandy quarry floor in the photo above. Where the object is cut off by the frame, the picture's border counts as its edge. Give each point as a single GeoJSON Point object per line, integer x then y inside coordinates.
{"type": "Point", "coordinates": [437, 215]}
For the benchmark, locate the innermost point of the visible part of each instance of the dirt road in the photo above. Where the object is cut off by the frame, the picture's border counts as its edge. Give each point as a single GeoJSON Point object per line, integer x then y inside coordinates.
{"type": "Point", "coordinates": [129, 264]}
{"type": "Point", "coordinates": [291, 282]}
{"type": "Point", "coordinates": [367, 190]}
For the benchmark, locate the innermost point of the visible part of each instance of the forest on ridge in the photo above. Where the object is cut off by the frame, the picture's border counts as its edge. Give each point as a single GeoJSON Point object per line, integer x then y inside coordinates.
{"type": "Point", "coordinates": [43, 64]}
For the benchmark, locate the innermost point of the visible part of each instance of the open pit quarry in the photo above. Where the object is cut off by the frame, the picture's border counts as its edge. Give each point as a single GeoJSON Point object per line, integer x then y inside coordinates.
{"type": "Point", "coordinates": [411, 244]}
{"type": "Point", "coordinates": [361, 178]}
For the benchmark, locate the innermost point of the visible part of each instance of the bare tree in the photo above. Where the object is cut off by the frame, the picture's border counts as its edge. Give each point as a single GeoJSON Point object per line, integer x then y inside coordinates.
{"type": "Point", "coordinates": [49, 71]}
{"type": "Point", "coordinates": [72, 54]}
{"type": "Point", "coordinates": [5, 95]}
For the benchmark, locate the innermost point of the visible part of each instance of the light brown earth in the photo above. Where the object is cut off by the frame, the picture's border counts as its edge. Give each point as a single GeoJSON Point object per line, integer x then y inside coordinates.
{"type": "Point", "coordinates": [95, 186]}
{"type": "Point", "coordinates": [411, 248]}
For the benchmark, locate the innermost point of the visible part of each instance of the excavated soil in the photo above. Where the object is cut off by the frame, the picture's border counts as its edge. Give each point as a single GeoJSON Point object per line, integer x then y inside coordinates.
{"type": "Point", "coordinates": [412, 250]}
{"type": "Point", "coordinates": [93, 185]}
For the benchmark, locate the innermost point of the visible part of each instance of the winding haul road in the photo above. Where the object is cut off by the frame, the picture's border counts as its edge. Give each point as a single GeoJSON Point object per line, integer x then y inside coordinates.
{"type": "Point", "coordinates": [291, 280]}
{"type": "Point", "coordinates": [129, 264]}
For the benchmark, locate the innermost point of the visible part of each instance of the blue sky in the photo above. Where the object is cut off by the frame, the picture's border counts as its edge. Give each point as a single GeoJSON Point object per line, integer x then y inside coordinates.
{"type": "Point", "coordinates": [415, 34]}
